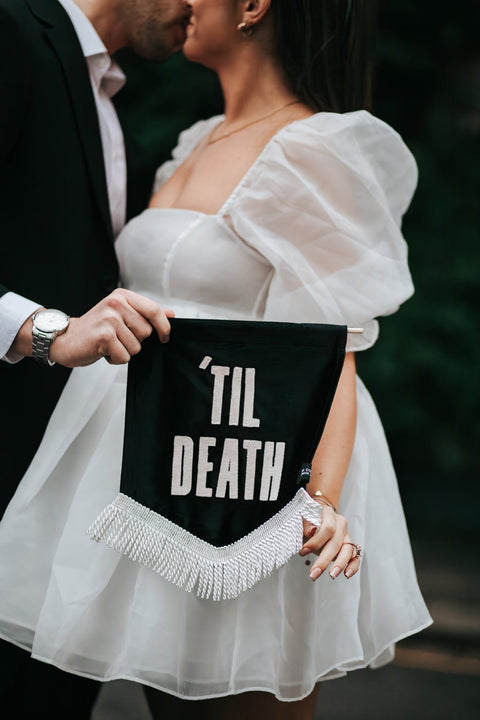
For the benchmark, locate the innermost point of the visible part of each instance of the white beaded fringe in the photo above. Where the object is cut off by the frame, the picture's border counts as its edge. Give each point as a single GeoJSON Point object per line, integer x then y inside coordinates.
{"type": "Point", "coordinates": [218, 573]}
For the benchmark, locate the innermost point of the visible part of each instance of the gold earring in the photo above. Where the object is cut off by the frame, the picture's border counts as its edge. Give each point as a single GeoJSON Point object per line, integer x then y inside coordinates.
{"type": "Point", "coordinates": [245, 28]}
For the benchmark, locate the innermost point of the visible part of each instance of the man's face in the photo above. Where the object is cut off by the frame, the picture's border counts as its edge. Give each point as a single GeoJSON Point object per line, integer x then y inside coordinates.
{"type": "Point", "coordinates": [154, 28]}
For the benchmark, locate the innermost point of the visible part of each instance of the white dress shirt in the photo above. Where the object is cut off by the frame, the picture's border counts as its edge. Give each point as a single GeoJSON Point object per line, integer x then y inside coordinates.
{"type": "Point", "coordinates": [106, 79]}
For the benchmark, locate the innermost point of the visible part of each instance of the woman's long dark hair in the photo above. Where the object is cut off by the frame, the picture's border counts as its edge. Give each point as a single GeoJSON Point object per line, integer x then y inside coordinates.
{"type": "Point", "coordinates": [326, 49]}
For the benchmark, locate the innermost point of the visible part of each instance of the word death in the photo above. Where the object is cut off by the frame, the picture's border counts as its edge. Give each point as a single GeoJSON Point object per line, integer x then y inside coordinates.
{"type": "Point", "coordinates": [227, 474]}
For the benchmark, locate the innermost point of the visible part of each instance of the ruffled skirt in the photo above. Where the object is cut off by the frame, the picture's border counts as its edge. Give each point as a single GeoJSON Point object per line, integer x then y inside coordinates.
{"type": "Point", "coordinates": [87, 609]}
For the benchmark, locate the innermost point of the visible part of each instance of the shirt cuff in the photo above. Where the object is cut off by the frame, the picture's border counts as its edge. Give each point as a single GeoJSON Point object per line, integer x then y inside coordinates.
{"type": "Point", "coordinates": [14, 310]}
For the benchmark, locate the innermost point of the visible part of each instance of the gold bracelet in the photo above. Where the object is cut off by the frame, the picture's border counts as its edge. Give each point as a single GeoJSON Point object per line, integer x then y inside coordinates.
{"type": "Point", "coordinates": [318, 495]}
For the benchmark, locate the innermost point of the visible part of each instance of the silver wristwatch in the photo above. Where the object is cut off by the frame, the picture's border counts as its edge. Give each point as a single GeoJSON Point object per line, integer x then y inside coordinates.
{"type": "Point", "coordinates": [47, 324]}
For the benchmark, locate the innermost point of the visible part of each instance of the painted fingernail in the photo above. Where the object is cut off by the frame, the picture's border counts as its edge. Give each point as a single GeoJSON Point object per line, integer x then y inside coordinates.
{"type": "Point", "coordinates": [334, 572]}
{"type": "Point", "coordinates": [348, 573]}
{"type": "Point", "coordinates": [316, 572]}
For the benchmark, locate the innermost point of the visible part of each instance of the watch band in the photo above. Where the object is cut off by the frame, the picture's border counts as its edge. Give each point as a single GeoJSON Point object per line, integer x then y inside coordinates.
{"type": "Point", "coordinates": [41, 345]}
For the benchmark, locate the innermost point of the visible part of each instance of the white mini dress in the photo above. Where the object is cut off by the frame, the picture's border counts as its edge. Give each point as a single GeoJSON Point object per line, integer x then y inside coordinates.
{"type": "Point", "coordinates": [312, 233]}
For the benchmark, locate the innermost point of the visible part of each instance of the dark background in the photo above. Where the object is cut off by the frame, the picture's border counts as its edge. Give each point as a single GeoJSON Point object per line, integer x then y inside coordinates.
{"type": "Point", "coordinates": [424, 371]}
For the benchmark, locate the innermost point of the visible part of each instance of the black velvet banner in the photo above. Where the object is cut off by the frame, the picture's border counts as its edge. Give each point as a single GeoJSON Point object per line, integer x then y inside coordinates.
{"type": "Point", "coordinates": [223, 420]}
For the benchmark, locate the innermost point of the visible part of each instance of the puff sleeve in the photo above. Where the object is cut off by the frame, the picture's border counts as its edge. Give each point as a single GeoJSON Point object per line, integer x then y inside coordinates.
{"type": "Point", "coordinates": [323, 205]}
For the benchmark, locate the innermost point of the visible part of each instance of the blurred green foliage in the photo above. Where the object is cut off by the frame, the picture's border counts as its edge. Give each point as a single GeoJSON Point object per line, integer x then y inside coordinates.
{"type": "Point", "coordinates": [424, 372]}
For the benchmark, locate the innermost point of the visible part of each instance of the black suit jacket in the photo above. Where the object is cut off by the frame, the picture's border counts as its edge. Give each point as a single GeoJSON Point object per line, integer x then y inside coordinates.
{"type": "Point", "coordinates": [55, 228]}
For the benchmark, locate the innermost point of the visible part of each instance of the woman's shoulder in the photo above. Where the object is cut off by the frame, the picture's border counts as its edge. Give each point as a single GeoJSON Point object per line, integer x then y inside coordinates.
{"type": "Point", "coordinates": [329, 153]}
{"type": "Point", "coordinates": [358, 138]}
{"type": "Point", "coordinates": [349, 125]}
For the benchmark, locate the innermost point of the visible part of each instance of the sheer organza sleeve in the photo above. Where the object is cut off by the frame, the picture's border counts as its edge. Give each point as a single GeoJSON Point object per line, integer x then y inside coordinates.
{"type": "Point", "coordinates": [323, 204]}
{"type": "Point", "coordinates": [187, 141]}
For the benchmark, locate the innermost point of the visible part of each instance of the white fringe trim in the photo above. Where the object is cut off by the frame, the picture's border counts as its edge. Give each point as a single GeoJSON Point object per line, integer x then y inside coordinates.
{"type": "Point", "coordinates": [218, 573]}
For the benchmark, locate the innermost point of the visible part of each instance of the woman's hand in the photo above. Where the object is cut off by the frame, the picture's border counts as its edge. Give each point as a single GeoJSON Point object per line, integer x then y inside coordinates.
{"type": "Point", "coordinates": [333, 544]}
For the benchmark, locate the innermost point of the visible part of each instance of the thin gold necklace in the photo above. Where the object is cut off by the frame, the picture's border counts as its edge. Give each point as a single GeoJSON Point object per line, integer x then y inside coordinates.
{"type": "Point", "coordinates": [252, 122]}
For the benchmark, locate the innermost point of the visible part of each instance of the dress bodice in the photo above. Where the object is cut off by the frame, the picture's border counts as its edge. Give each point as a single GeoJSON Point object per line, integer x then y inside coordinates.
{"type": "Point", "coordinates": [194, 264]}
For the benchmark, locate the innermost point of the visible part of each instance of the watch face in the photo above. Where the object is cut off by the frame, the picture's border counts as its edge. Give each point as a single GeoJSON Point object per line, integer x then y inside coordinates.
{"type": "Point", "coordinates": [48, 321]}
